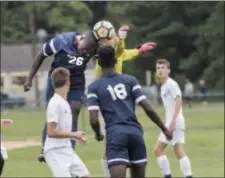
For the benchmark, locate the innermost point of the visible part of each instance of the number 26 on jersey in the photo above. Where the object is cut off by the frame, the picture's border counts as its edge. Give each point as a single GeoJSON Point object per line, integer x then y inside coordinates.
{"type": "Point", "coordinates": [76, 60]}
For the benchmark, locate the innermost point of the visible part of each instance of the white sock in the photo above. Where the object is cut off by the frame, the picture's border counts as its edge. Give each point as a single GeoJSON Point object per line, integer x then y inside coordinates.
{"type": "Point", "coordinates": [105, 169]}
{"type": "Point", "coordinates": [164, 165]}
{"type": "Point", "coordinates": [185, 166]}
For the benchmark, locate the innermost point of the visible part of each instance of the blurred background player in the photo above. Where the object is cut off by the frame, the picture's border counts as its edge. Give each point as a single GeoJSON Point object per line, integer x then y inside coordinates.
{"type": "Point", "coordinates": [122, 54]}
{"type": "Point", "coordinates": [115, 95]}
{"type": "Point", "coordinates": [172, 102]}
{"type": "Point", "coordinates": [188, 92]}
{"type": "Point", "coordinates": [59, 155]}
{"type": "Point", "coordinates": [72, 51]}
{"type": "Point", "coordinates": [203, 91]}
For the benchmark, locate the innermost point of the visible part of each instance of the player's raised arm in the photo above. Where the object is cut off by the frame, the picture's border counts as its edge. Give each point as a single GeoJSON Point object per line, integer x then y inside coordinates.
{"type": "Point", "coordinates": [93, 108]}
{"type": "Point", "coordinates": [141, 99]}
{"type": "Point", "coordinates": [48, 49]}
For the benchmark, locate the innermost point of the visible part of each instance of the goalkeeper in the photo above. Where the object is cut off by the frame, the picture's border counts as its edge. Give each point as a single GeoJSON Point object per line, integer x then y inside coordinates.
{"type": "Point", "coordinates": [122, 55]}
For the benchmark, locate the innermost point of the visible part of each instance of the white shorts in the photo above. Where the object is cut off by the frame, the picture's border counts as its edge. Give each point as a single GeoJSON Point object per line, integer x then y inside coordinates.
{"type": "Point", "coordinates": [178, 137]}
{"type": "Point", "coordinates": [102, 123]}
{"type": "Point", "coordinates": [64, 162]}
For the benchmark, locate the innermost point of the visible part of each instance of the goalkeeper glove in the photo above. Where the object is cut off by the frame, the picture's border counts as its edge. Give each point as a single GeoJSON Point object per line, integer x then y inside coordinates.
{"type": "Point", "coordinates": [146, 47]}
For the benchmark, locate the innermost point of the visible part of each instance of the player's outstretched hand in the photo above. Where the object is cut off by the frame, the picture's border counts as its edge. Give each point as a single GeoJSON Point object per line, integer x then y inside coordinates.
{"type": "Point", "coordinates": [168, 134]}
{"type": "Point", "coordinates": [99, 137]}
{"type": "Point", "coordinates": [122, 32]}
{"type": "Point", "coordinates": [27, 85]}
{"type": "Point", "coordinates": [79, 137]}
{"type": "Point", "coordinates": [146, 47]}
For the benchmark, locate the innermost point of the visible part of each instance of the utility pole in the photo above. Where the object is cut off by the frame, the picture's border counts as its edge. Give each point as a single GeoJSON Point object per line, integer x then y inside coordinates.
{"type": "Point", "coordinates": [32, 22]}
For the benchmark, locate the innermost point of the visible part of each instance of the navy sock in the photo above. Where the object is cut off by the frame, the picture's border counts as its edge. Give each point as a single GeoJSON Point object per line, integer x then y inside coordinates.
{"type": "Point", "coordinates": [74, 129]}
{"type": "Point", "coordinates": [44, 134]}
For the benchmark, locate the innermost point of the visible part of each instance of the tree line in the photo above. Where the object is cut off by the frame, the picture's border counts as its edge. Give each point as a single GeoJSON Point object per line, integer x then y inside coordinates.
{"type": "Point", "coordinates": [190, 34]}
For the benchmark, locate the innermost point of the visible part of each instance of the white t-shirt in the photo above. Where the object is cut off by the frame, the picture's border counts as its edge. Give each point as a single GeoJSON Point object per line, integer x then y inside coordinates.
{"type": "Point", "coordinates": [59, 111]}
{"type": "Point", "coordinates": [169, 91]}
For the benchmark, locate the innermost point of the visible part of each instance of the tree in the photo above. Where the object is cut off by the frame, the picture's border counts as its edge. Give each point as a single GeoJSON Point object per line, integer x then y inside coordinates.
{"type": "Point", "coordinates": [208, 60]}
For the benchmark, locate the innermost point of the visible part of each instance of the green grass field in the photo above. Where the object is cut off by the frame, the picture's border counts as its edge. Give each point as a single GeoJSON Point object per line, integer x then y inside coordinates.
{"type": "Point", "coordinates": [204, 143]}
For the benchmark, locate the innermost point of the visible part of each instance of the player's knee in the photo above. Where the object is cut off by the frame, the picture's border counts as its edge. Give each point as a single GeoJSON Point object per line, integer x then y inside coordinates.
{"type": "Point", "coordinates": [179, 152]}
{"type": "Point", "coordinates": [158, 151]}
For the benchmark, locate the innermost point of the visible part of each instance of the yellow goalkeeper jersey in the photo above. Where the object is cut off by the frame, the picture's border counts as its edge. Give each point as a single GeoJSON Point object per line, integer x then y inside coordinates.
{"type": "Point", "coordinates": [122, 55]}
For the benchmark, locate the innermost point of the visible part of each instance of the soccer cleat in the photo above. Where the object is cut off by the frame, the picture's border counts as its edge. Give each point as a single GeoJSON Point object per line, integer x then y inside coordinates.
{"type": "Point", "coordinates": [167, 176]}
{"type": "Point", "coordinates": [41, 157]}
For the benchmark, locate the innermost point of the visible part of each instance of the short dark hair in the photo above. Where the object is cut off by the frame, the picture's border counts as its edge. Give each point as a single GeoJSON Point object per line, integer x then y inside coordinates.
{"type": "Point", "coordinates": [106, 56]}
{"type": "Point", "coordinates": [163, 61]}
{"type": "Point", "coordinates": [59, 77]}
{"type": "Point", "coordinates": [90, 43]}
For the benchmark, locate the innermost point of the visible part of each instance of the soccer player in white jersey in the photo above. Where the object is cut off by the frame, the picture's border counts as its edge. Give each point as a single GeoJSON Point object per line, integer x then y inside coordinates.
{"type": "Point", "coordinates": [58, 152]}
{"type": "Point", "coordinates": [172, 102]}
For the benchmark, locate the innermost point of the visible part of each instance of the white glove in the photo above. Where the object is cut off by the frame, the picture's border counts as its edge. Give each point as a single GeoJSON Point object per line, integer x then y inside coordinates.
{"type": "Point", "coordinates": [122, 32]}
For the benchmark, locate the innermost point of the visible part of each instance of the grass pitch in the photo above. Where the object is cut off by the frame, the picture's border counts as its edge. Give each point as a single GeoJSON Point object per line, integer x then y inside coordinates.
{"type": "Point", "coordinates": [204, 143]}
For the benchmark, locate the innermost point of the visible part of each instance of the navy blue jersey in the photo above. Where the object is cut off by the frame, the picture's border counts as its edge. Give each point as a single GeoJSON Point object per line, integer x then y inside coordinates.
{"type": "Point", "coordinates": [66, 55]}
{"type": "Point", "coordinates": [115, 95]}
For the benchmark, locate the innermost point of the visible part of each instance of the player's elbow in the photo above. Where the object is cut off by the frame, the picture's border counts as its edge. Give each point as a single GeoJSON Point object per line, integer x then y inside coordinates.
{"type": "Point", "coordinates": [51, 133]}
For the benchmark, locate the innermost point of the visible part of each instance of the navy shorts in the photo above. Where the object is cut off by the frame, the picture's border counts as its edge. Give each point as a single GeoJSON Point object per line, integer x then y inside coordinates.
{"type": "Point", "coordinates": [126, 149]}
{"type": "Point", "coordinates": [73, 95]}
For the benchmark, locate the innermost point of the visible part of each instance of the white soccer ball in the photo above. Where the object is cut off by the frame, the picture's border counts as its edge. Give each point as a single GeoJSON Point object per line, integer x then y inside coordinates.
{"type": "Point", "coordinates": [104, 30]}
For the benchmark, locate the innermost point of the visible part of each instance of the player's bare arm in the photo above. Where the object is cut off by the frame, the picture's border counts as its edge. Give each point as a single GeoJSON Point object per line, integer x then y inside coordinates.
{"type": "Point", "coordinates": [178, 103]}
{"type": "Point", "coordinates": [53, 132]}
{"type": "Point", "coordinates": [36, 65]}
{"type": "Point", "coordinates": [95, 125]}
{"type": "Point", "coordinates": [152, 114]}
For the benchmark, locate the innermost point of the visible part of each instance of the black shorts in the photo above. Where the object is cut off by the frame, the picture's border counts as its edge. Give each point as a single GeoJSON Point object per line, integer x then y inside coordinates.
{"type": "Point", "coordinates": [126, 149]}
{"type": "Point", "coordinates": [73, 95]}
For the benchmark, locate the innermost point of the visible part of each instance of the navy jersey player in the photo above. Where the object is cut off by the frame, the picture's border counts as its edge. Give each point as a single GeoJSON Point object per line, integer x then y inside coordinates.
{"type": "Point", "coordinates": [115, 96]}
{"type": "Point", "coordinates": [72, 51]}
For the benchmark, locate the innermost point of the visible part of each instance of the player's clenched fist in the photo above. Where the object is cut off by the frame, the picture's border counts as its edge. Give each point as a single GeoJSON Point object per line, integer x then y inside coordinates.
{"type": "Point", "coordinates": [122, 32]}
{"type": "Point", "coordinates": [146, 47]}
{"type": "Point", "coordinates": [99, 137]}
{"type": "Point", "coordinates": [27, 85]}
{"type": "Point", "coordinates": [168, 134]}
{"type": "Point", "coordinates": [79, 137]}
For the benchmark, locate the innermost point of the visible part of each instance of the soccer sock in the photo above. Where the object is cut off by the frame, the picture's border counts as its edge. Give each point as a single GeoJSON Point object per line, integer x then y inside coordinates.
{"type": "Point", "coordinates": [44, 134]}
{"type": "Point", "coordinates": [105, 169]}
{"type": "Point", "coordinates": [185, 166]}
{"type": "Point", "coordinates": [164, 166]}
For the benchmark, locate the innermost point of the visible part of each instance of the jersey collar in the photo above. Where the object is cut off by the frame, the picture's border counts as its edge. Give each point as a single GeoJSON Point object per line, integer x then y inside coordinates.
{"type": "Point", "coordinates": [109, 74]}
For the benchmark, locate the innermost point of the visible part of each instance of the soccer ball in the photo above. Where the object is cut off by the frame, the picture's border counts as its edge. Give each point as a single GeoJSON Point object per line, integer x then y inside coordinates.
{"type": "Point", "coordinates": [104, 30]}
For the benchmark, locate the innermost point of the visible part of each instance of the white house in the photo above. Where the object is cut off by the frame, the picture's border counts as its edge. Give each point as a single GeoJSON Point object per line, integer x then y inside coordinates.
{"type": "Point", "coordinates": [16, 61]}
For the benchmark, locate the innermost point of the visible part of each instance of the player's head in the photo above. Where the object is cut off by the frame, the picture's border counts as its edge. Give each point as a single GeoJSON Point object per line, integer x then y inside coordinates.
{"type": "Point", "coordinates": [112, 42]}
{"type": "Point", "coordinates": [162, 68]}
{"type": "Point", "coordinates": [87, 43]}
{"type": "Point", "coordinates": [106, 56]}
{"type": "Point", "coordinates": [61, 78]}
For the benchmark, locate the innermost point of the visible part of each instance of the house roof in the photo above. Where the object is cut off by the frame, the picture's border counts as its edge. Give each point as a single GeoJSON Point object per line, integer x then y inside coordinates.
{"type": "Point", "coordinates": [19, 58]}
